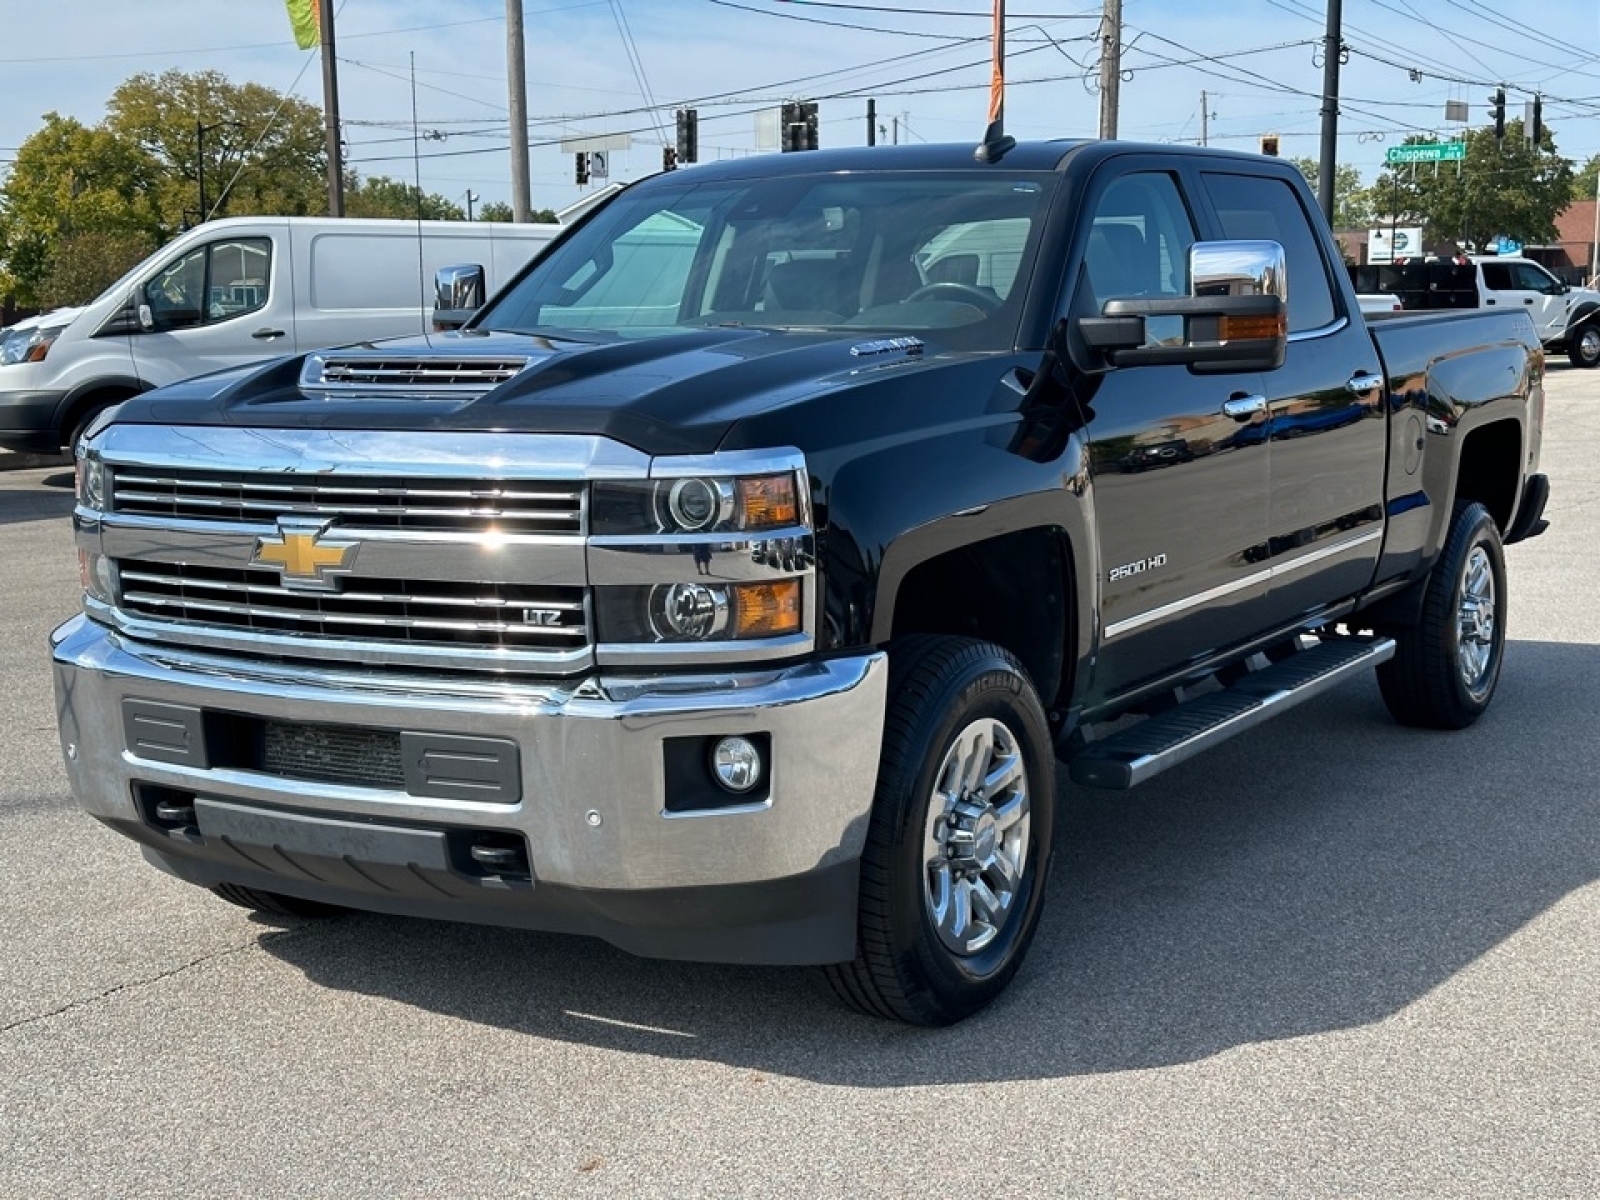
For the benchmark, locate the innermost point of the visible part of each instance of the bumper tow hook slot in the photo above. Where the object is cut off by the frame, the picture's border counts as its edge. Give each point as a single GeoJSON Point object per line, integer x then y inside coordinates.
{"type": "Point", "coordinates": [498, 857]}
{"type": "Point", "coordinates": [175, 812]}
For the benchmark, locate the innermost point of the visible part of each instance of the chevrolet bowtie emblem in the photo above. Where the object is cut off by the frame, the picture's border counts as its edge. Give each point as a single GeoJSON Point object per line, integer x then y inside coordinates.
{"type": "Point", "coordinates": [308, 560]}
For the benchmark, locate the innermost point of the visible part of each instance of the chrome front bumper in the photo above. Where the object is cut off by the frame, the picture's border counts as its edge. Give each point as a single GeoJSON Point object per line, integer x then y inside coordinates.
{"type": "Point", "coordinates": [772, 881]}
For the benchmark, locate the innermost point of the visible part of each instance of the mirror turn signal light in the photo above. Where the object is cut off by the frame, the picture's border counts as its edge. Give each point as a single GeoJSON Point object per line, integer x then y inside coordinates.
{"type": "Point", "coordinates": [1232, 329]}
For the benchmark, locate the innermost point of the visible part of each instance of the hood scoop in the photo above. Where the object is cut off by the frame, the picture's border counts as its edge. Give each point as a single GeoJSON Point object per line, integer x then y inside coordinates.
{"type": "Point", "coordinates": [345, 373]}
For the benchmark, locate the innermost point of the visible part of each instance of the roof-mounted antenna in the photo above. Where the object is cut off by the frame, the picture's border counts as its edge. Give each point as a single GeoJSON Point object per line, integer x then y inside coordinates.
{"type": "Point", "coordinates": [995, 141]}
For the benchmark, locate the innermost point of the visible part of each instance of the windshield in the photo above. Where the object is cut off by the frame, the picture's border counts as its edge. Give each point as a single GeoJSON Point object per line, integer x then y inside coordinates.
{"type": "Point", "coordinates": [122, 286]}
{"type": "Point", "coordinates": [883, 252]}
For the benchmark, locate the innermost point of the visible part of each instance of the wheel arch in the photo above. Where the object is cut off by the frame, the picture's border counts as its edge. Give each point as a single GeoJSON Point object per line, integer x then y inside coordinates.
{"type": "Point", "coordinates": [91, 395]}
{"type": "Point", "coordinates": [1489, 470]}
{"type": "Point", "coordinates": [1016, 589]}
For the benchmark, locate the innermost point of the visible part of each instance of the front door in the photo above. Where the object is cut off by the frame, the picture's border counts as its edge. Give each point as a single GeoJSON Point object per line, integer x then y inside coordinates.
{"type": "Point", "coordinates": [1524, 285]}
{"type": "Point", "coordinates": [1180, 482]}
{"type": "Point", "coordinates": [212, 308]}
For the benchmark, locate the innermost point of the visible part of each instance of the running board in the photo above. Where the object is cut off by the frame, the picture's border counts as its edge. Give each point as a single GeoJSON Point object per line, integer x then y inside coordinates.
{"type": "Point", "coordinates": [1134, 755]}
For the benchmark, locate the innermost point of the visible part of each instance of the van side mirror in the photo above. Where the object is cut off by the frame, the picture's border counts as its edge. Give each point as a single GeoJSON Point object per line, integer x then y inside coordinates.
{"type": "Point", "coordinates": [147, 319]}
{"type": "Point", "coordinates": [1235, 317]}
{"type": "Point", "coordinates": [457, 294]}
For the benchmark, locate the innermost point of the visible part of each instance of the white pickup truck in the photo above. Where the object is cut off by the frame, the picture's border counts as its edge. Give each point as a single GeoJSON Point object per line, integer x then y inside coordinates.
{"type": "Point", "coordinates": [1566, 318]}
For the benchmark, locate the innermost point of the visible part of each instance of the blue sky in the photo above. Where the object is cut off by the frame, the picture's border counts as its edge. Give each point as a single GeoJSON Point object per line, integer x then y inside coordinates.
{"type": "Point", "coordinates": [581, 79]}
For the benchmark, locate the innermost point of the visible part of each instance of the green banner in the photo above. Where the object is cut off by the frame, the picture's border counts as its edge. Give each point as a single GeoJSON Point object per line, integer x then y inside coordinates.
{"type": "Point", "coordinates": [304, 16]}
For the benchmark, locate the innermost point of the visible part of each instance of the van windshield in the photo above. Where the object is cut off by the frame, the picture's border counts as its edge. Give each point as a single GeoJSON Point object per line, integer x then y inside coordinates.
{"type": "Point", "coordinates": [884, 252]}
{"type": "Point", "coordinates": [123, 286]}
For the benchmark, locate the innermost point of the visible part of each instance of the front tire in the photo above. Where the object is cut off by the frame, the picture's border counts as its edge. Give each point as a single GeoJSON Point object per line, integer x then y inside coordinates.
{"type": "Point", "coordinates": [958, 848]}
{"type": "Point", "coordinates": [1584, 348]}
{"type": "Point", "coordinates": [1446, 666]}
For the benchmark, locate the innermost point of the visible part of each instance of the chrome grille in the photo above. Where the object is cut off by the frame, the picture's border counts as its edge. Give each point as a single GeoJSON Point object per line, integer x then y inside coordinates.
{"type": "Point", "coordinates": [483, 616]}
{"type": "Point", "coordinates": [425, 373]}
{"type": "Point", "coordinates": [364, 501]}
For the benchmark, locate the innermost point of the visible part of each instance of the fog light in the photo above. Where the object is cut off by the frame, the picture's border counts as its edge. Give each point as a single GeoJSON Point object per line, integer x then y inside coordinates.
{"type": "Point", "coordinates": [736, 763]}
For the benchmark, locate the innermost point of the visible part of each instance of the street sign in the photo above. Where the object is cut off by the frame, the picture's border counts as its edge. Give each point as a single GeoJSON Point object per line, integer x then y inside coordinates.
{"type": "Point", "coordinates": [1429, 153]}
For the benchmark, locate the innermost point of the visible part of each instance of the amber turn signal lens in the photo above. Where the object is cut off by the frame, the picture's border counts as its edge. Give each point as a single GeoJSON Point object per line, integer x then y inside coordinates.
{"type": "Point", "coordinates": [1238, 328]}
{"type": "Point", "coordinates": [768, 501]}
{"type": "Point", "coordinates": [766, 609]}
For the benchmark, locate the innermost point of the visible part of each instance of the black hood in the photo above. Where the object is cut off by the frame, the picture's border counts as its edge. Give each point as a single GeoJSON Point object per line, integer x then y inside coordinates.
{"type": "Point", "coordinates": [677, 394]}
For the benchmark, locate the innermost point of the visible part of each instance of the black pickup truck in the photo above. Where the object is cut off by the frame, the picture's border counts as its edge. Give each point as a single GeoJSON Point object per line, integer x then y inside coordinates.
{"type": "Point", "coordinates": [732, 584]}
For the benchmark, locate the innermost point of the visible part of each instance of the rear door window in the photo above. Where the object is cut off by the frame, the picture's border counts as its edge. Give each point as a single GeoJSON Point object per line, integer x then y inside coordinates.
{"type": "Point", "coordinates": [1256, 207]}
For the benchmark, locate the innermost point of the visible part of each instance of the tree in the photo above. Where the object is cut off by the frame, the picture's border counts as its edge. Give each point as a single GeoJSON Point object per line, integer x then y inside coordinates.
{"type": "Point", "coordinates": [263, 151]}
{"type": "Point", "coordinates": [1501, 189]}
{"type": "Point", "coordinates": [87, 263]}
{"type": "Point", "coordinates": [1353, 204]}
{"type": "Point", "coordinates": [499, 210]}
{"type": "Point", "coordinates": [381, 196]}
{"type": "Point", "coordinates": [70, 181]}
{"type": "Point", "coordinates": [1586, 179]}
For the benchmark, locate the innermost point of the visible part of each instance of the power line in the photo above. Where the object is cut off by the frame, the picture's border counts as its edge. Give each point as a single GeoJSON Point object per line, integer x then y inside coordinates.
{"type": "Point", "coordinates": [938, 12]}
{"type": "Point", "coordinates": [280, 44]}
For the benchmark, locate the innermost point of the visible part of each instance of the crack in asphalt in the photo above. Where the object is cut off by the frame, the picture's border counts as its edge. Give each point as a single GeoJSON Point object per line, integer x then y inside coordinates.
{"type": "Point", "coordinates": [133, 984]}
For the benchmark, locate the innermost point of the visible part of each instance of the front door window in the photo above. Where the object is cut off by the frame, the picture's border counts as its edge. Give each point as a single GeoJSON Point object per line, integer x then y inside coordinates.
{"type": "Point", "coordinates": [211, 284]}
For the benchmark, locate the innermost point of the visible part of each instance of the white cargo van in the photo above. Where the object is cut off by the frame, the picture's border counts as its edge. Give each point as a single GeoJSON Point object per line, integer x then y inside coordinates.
{"type": "Point", "coordinates": [239, 290]}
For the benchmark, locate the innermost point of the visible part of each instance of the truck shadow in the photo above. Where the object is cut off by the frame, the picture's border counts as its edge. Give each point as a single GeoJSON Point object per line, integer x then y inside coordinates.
{"type": "Point", "coordinates": [1321, 873]}
{"type": "Point", "coordinates": [52, 499]}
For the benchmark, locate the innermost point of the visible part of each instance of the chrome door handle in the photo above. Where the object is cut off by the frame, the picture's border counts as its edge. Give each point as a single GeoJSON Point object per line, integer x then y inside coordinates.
{"type": "Point", "coordinates": [1364, 383]}
{"type": "Point", "coordinates": [267, 334]}
{"type": "Point", "coordinates": [1242, 408]}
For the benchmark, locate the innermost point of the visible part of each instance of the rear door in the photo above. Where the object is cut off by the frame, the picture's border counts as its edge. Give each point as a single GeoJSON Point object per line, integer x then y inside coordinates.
{"type": "Point", "coordinates": [219, 304]}
{"type": "Point", "coordinates": [1326, 423]}
{"type": "Point", "coordinates": [1180, 484]}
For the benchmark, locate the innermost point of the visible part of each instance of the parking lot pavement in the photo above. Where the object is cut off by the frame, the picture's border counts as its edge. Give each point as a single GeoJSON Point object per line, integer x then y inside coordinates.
{"type": "Point", "coordinates": [1330, 958]}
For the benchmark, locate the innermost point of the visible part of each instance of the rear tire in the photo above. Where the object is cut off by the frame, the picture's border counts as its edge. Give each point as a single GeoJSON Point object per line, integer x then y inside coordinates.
{"type": "Point", "coordinates": [958, 848]}
{"type": "Point", "coordinates": [1584, 348]}
{"type": "Point", "coordinates": [275, 904]}
{"type": "Point", "coordinates": [1446, 666]}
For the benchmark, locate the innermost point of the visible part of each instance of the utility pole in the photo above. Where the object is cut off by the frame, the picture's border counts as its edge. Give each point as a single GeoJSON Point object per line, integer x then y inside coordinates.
{"type": "Point", "coordinates": [330, 110]}
{"type": "Point", "coordinates": [872, 122]}
{"type": "Point", "coordinates": [517, 84]}
{"type": "Point", "coordinates": [1110, 67]}
{"type": "Point", "coordinates": [1205, 121]}
{"type": "Point", "coordinates": [200, 166]}
{"type": "Point", "coordinates": [896, 127]}
{"type": "Point", "coordinates": [1332, 47]}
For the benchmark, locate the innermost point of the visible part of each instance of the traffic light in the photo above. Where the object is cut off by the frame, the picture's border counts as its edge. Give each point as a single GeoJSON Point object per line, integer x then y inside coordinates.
{"type": "Point", "coordinates": [1498, 111]}
{"type": "Point", "coordinates": [792, 124]}
{"type": "Point", "coordinates": [669, 159]}
{"type": "Point", "coordinates": [799, 120]}
{"type": "Point", "coordinates": [1536, 126]}
{"type": "Point", "coordinates": [688, 135]}
{"type": "Point", "coordinates": [1269, 145]}
{"type": "Point", "coordinates": [580, 168]}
